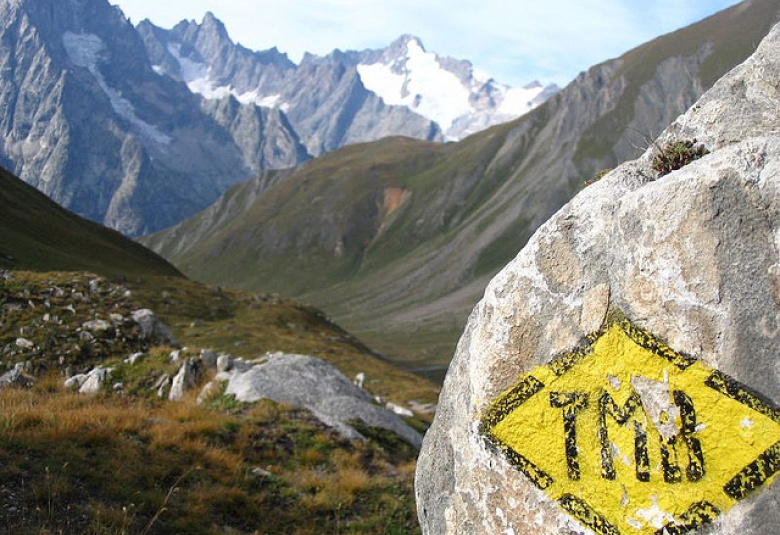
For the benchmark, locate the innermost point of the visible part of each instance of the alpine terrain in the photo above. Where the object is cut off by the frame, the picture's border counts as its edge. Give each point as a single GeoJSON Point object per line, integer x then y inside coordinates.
{"type": "Point", "coordinates": [133, 400]}
{"type": "Point", "coordinates": [398, 238]}
{"type": "Point", "coordinates": [139, 128]}
{"type": "Point", "coordinates": [85, 119]}
{"type": "Point", "coordinates": [344, 97]}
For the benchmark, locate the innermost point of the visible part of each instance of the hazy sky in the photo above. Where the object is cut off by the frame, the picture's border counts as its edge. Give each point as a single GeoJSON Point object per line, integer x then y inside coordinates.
{"type": "Point", "coordinates": [514, 41]}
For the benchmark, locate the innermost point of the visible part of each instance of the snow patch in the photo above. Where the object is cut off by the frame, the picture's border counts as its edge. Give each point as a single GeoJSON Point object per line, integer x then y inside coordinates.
{"type": "Point", "coordinates": [85, 51]}
{"type": "Point", "coordinates": [423, 85]}
{"type": "Point", "coordinates": [197, 76]}
{"type": "Point", "coordinates": [418, 81]}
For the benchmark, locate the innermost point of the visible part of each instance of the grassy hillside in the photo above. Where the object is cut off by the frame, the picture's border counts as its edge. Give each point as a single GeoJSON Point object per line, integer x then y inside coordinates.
{"type": "Point", "coordinates": [37, 234]}
{"type": "Point", "coordinates": [127, 462]}
{"type": "Point", "coordinates": [397, 239]}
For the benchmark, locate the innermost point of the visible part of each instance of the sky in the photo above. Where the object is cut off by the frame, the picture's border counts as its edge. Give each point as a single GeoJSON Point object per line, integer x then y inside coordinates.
{"type": "Point", "coordinates": [513, 41]}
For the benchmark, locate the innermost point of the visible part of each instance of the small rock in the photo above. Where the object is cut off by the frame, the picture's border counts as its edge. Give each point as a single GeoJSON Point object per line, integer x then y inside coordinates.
{"type": "Point", "coordinates": [397, 409]}
{"type": "Point", "coordinates": [208, 358]}
{"type": "Point", "coordinates": [187, 378]}
{"type": "Point", "coordinates": [16, 378]}
{"type": "Point", "coordinates": [224, 362]}
{"type": "Point", "coordinates": [152, 328]}
{"type": "Point", "coordinates": [358, 380]}
{"type": "Point", "coordinates": [162, 385]}
{"type": "Point", "coordinates": [176, 355]}
{"type": "Point", "coordinates": [259, 473]}
{"type": "Point", "coordinates": [75, 382]}
{"type": "Point", "coordinates": [95, 380]}
{"type": "Point", "coordinates": [24, 343]}
{"type": "Point", "coordinates": [135, 357]}
{"type": "Point", "coordinates": [96, 326]}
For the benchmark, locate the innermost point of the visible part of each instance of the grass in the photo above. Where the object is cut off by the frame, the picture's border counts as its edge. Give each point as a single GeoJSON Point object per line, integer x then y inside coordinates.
{"type": "Point", "coordinates": [133, 463]}
{"type": "Point", "coordinates": [78, 464]}
{"type": "Point", "coordinates": [37, 234]}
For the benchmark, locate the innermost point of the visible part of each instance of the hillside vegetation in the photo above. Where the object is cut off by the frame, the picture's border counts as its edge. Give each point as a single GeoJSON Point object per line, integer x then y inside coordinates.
{"type": "Point", "coordinates": [126, 461]}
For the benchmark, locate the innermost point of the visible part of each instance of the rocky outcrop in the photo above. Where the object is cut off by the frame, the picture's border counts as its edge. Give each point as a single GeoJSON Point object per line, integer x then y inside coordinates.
{"type": "Point", "coordinates": [647, 300]}
{"type": "Point", "coordinates": [311, 383]}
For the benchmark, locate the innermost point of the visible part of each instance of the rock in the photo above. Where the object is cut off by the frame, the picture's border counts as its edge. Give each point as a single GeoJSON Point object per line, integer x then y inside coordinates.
{"type": "Point", "coordinates": [358, 380]}
{"type": "Point", "coordinates": [162, 385]}
{"type": "Point", "coordinates": [224, 362]}
{"type": "Point", "coordinates": [75, 382]}
{"type": "Point", "coordinates": [96, 326]}
{"type": "Point", "coordinates": [152, 328]}
{"type": "Point", "coordinates": [135, 357]}
{"type": "Point", "coordinates": [669, 277]}
{"type": "Point", "coordinates": [208, 358]}
{"type": "Point", "coordinates": [15, 378]}
{"type": "Point", "coordinates": [397, 409]}
{"type": "Point", "coordinates": [95, 380]}
{"type": "Point", "coordinates": [176, 355]}
{"type": "Point", "coordinates": [309, 382]}
{"type": "Point", "coordinates": [188, 377]}
{"type": "Point", "coordinates": [24, 343]}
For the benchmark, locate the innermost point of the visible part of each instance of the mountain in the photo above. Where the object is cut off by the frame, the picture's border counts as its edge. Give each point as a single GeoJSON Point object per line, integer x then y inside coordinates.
{"type": "Point", "coordinates": [85, 119]}
{"type": "Point", "coordinates": [344, 97]}
{"type": "Point", "coordinates": [397, 239]}
{"type": "Point", "coordinates": [444, 90]}
{"type": "Point", "coordinates": [37, 234]}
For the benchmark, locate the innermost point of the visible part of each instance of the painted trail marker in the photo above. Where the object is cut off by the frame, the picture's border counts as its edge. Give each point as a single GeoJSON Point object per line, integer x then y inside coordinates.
{"type": "Point", "coordinates": [632, 437]}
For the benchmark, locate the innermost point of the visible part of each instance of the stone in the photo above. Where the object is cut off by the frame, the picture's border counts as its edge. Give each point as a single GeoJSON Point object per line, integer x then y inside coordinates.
{"type": "Point", "coordinates": [209, 358]}
{"type": "Point", "coordinates": [397, 409]}
{"type": "Point", "coordinates": [24, 343]}
{"type": "Point", "coordinates": [680, 274]}
{"type": "Point", "coordinates": [95, 380]}
{"type": "Point", "coordinates": [308, 382]}
{"type": "Point", "coordinates": [162, 385]}
{"type": "Point", "coordinates": [359, 379]}
{"type": "Point", "coordinates": [187, 379]}
{"type": "Point", "coordinates": [15, 378]}
{"type": "Point", "coordinates": [152, 328]}
{"type": "Point", "coordinates": [224, 362]}
{"type": "Point", "coordinates": [97, 326]}
{"type": "Point", "coordinates": [75, 382]}
{"type": "Point", "coordinates": [135, 357]}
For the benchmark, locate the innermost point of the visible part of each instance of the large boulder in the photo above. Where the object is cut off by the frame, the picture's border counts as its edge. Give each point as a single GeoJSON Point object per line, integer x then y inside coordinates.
{"type": "Point", "coordinates": [618, 375]}
{"type": "Point", "coordinates": [311, 383]}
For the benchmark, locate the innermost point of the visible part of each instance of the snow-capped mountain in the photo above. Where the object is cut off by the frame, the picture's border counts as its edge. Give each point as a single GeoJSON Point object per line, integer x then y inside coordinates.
{"type": "Point", "coordinates": [446, 90]}
{"type": "Point", "coordinates": [324, 98]}
{"type": "Point", "coordinates": [344, 97]}
{"type": "Point", "coordinates": [86, 120]}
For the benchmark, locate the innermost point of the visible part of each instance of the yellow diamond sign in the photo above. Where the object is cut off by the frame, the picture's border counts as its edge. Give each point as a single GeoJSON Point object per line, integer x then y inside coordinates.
{"type": "Point", "coordinates": [632, 437]}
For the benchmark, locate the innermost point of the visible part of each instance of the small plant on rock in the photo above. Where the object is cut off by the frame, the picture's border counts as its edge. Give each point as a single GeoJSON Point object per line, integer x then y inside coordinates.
{"type": "Point", "coordinates": [677, 154]}
{"type": "Point", "coordinates": [598, 176]}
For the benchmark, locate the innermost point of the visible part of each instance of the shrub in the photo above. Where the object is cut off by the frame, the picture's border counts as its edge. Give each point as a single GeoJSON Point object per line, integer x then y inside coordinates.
{"type": "Point", "coordinates": [677, 154]}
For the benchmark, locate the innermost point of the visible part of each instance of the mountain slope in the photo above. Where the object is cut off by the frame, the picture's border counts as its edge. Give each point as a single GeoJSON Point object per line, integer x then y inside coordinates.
{"type": "Point", "coordinates": [85, 119]}
{"type": "Point", "coordinates": [37, 234]}
{"type": "Point", "coordinates": [397, 239]}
